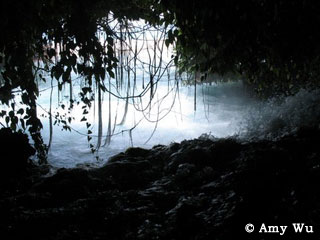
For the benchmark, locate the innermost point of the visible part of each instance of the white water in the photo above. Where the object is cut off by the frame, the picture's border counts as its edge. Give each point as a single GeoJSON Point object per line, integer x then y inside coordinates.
{"type": "Point", "coordinates": [281, 115]}
{"type": "Point", "coordinates": [223, 110]}
{"type": "Point", "coordinates": [220, 111]}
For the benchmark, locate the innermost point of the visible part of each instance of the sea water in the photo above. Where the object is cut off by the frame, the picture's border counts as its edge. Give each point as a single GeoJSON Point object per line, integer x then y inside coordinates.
{"type": "Point", "coordinates": [222, 110]}
{"type": "Point", "coordinates": [174, 116]}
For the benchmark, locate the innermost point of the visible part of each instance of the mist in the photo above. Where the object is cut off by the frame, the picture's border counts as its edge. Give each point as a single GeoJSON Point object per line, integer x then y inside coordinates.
{"type": "Point", "coordinates": [222, 110]}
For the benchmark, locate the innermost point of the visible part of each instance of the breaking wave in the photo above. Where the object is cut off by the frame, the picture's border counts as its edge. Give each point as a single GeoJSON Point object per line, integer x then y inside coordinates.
{"type": "Point", "coordinates": [280, 116]}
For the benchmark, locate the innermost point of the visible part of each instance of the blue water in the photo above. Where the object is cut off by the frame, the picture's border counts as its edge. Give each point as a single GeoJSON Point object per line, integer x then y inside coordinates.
{"type": "Point", "coordinates": [224, 109]}
{"type": "Point", "coordinates": [220, 110]}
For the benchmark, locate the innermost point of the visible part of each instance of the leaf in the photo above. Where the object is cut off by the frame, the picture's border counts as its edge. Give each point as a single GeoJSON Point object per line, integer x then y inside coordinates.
{"type": "Point", "coordinates": [3, 113]}
{"type": "Point", "coordinates": [110, 40]}
{"type": "Point", "coordinates": [11, 114]}
{"type": "Point", "coordinates": [67, 128]}
{"type": "Point", "coordinates": [58, 71]}
{"type": "Point", "coordinates": [13, 126]}
{"type": "Point", "coordinates": [20, 111]}
{"type": "Point", "coordinates": [85, 112]}
{"type": "Point", "coordinates": [66, 76]}
{"type": "Point", "coordinates": [25, 98]}
{"type": "Point", "coordinates": [23, 125]}
{"type": "Point", "coordinates": [86, 90]}
{"type": "Point", "coordinates": [176, 59]}
{"type": "Point", "coordinates": [51, 52]}
{"type": "Point", "coordinates": [14, 120]}
{"type": "Point", "coordinates": [167, 42]}
{"type": "Point", "coordinates": [170, 36]}
{"type": "Point", "coordinates": [103, 74]}
{"type": "Point", "coordinates": [111, 74]}
{"type": "Point", "coordinates": [103, 88]}
{"type": "Point", "coordinates": [92, 148]}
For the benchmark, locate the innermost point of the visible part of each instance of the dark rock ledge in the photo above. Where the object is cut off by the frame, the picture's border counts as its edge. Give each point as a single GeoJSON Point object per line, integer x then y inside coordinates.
{"type": "Point", "coordinates": [196, 189]}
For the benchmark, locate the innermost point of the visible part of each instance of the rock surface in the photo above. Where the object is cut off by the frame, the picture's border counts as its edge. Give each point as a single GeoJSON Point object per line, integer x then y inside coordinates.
{"type": "Point", "coordinates": [196, 189]}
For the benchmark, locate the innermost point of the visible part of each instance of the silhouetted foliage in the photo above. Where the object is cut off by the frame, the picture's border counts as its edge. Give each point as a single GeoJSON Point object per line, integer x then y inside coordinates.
{"type": "Point", "coordinates": [275, 44]}
{"type": "Point", "coordinates": [56, 37]}
{"type": "Point", "coordinates": [15, 153]}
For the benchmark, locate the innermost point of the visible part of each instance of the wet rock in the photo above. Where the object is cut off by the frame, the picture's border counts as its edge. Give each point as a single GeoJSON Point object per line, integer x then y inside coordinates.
{"type": "Point", "coordinates": [196, 156]}
{"type": "Point", "coordinates": [224, 152]}
{"type": "Point", "coordinates": [127, 174]}
{"type": "Point", "coordinates": [66, 185]}
{"type": "Point", "coordinates": [184, 219]}
{"type": "Point", "coordinates": [198, 189]}
{"type": "Point", "coordinates": [174, 147]}
{"type": "Point", "coordinates": [15, 153]}
{"type": "Point", "coordinates": [137, 152]}
{"type": "Point", "coordinates": [16, 170]}
{"type": "Point", "coordinates": [118, 157]}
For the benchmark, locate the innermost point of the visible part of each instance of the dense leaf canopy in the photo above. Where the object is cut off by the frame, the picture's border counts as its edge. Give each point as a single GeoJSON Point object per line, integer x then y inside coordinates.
{"type": "Point", "coordinates": [273, 44]}
{"type": "Point", "coordinates": [37, 31]}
